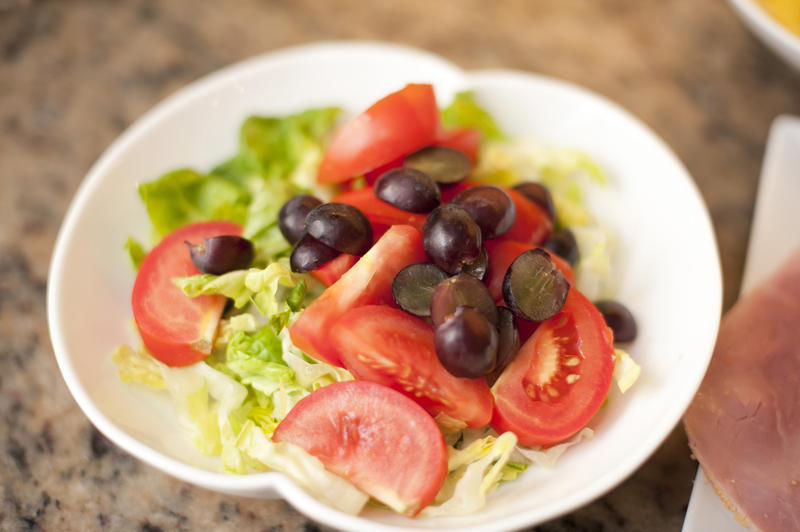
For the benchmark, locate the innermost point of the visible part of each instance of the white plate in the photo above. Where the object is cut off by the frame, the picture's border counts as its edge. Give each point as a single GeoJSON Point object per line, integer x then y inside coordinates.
{"type": "Point", "coordinates": [772, 238]}
{"type": "Point", "coordinates": [667, 263]}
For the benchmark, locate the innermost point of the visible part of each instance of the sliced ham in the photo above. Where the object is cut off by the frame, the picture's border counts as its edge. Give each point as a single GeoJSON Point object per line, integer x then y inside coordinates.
{"type": "Point", "coordinates": [744, 423]}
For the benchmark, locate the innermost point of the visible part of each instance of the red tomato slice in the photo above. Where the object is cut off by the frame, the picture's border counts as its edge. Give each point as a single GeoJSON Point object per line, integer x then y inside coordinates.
{"type": "Point", "coordinates": [449, 191]}
{"type": "Point", "coordinates": [367, 282]}
{"type": "Point", "coordinates": [378, 211]}
{"type": "Point", "coordinates": [395, 125]}
{"type": "Point", "coordinates": [176, 329]}
{"type": "Point", "coordinates": [532, 224]}
{"type": "Point", "coordinates": [560, 377]}
{"type": "Point", "coordinates": [373, 175]}
{"type": "Point", "coordinates": [378, 439]}
{"type": "Point", "coordinates": [391, 347]}
{"type": "Point", "coordinates": [330, 272]}
{"type": "Point", "coordinates": [467, 141]}
{"type": "Point", "coordinates": [503, 252]}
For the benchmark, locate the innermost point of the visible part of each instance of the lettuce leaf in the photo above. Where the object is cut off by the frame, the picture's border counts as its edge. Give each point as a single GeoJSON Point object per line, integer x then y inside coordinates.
{"type": "Point", "coordinates": [626, 370]}
{"type": "Point", "coordinates": [185, 196]}
{"type": "Point", "coordinates": [136, 252]}
{"type": "Point", "coordinates": [464, 112]}
{"type": "Point", "coordinates": [139, 366]}
{"type": "Point", "coordinates": [277, 158]}
{"type": "Point", "coordinates": [268, 289]}
{"type": "Point", "coordinates": [548, 457]}
{"type": "Point", "coordinates": [475, 470]}
{"type": "Point", "coordinates": [273, 147]}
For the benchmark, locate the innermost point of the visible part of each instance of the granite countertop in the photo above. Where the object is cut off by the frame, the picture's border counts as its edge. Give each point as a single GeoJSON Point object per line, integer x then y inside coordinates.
{"type": "Point", "coordinates": [74, 74]}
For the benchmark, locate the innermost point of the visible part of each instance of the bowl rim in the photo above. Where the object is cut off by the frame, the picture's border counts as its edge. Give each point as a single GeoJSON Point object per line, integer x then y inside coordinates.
{"type": "Point", "coordinates": [270, 483]}
{"type": "Point", "coordinates": [768, 28]}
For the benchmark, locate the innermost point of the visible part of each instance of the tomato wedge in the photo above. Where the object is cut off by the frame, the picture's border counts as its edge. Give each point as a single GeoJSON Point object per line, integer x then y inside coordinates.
{"type": "Point", "coordinates": [378, 211]}
{"type": "Point", "coordinates": [176, 329]}
{"type": "Point", "coordinates": [331, 271]}
{"type": "Point", "coordinates": [391, 347]}
{"type": "Point", "coordinates": [532, 224]}
{"type": "Point", "coordinates": [466, 140]}
{"type": "Point", "coordinates": [378, 439]}
{"type": "Point", "coordinates": [560, 376]}
{"type": "Point", "coordinates": [367, 282]}
{"type": "Point", "coordinates": [398, 124]}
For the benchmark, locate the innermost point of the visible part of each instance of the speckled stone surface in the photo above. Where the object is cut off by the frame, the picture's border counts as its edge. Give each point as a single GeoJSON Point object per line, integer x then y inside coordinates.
{"type": "Point", "coordinates": [74, 74]}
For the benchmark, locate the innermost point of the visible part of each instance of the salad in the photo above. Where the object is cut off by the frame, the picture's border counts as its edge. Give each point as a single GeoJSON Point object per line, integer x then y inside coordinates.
{"type": "Point", "coordinates": [405, 310]}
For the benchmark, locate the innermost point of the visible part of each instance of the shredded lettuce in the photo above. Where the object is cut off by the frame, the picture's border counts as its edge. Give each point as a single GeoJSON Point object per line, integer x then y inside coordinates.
{"type": "Point", "coordinates": [228, 327]}
{"type": "Point", "coordinates": [138, 366]}
{"type": "Point", "coordinates": [474, 471]}
{"type": "Point", "coordinates": [136, 252]}
{"type": "Point", "coordinates": [626, 370]}
{"type": "Point", "coordinates": [548, 457]}
{"type": "Point", "coordinates": [464, 111]}
{"type": "Point", "coordinates": [593, 269]}
{"type": "Point", "coordinates": [566, 172]}
{"type": "Point", "coordinates": [268, 289]}
{"type": "Point", "coordinates": [185, 196]}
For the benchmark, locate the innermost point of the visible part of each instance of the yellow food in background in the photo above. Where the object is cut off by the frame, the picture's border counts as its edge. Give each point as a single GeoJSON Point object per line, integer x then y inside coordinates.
{"type": "Point", "coordinates": [787, 12]}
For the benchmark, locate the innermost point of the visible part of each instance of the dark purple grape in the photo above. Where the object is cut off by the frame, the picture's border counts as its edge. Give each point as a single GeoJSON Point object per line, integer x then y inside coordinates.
{"type": "Point", "coordinates": [538, 194]}
{"type": "Point", "coordinates": [292, 216]}
{"type": "Point", "coordinates": [491, 208]}
{"type": "Point", "coordinates": [462, 290]}
{"type": "Point", "coordinates": [508, 344]}
{"type": "Point", "coordinates": [533, 288]}
{"type": "Point", "coordinates": [443, 165]}
{"type": "Point", "coordinates": [221, 254]}
{"type": "Point", "coordinates": [408, 189]}
{"type": "Point", "coordinates": [309, 254]}
{"type": "Point", "coordinates": [620, 319]}
{"type": "Point", "coordinates": [563, 244]}
{"type": "Point", "coordinates": [451, 237]}
{"type": "Point", "coordinates": [479, 266]}
{"type": "Point", "coordinates": [413, 287]}
{"type": "Point", "coordinates": [340, 226]}
{"type": "Point", "coordinates": [466, 344]}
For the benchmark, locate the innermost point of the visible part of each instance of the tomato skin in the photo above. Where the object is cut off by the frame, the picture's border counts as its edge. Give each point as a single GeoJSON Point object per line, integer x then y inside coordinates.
{"type": "Point", "coordinates": [532, 224]}
{"type": "Point", "coordinates": [176, 329]}
{"type": "Point", "coordinates": [449, 191]}
{"type": "Point", "coordinates": [373, 175]}
{"type": "Point", "coordinates": [380, 440]}
{"type": "Point", "coordinates": [330, 272]}
{"type": "Point", "coordinates": [503, 252]}
{"type": "Point", "coordinates": [391, 347]}
{"type": "Point", "coordinates": [466, 140]}
{"type": "Point", "coordinates": [398, 124]}
{"type": "Point", "coordinates": [378, 211]}
{"type": "Point", "coordinates": [367, 282]}
{"type": "Point", "coordinates": [522, 402]}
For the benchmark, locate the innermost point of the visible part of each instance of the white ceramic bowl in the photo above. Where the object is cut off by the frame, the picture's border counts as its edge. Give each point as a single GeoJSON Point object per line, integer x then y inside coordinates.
{"type": "Point", "coordinates": [771, 32]}
{"type": "Point", "coordinates": [667, 263]}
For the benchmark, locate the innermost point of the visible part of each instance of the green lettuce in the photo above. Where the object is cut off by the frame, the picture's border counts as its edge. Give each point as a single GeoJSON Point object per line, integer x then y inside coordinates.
{"type": "Point", "coordinates": [136, 252]}
{"type": "Point", "coordinates": [185, 196]}
{"type": "Point", "coordinates": [270, 289]}
{"type": "Point", "coordinates": [138, 366]}
{"type": "Point", "coordinates": [464, 111]}
{"type": "Point", "coordinates": [475, 470]}
{"type": "Point", "coordinates": [277, 158]}
{"type": "Point", "coordinates": [567, 174]}
{"type": "Point", "coordinates": [273, 147]}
